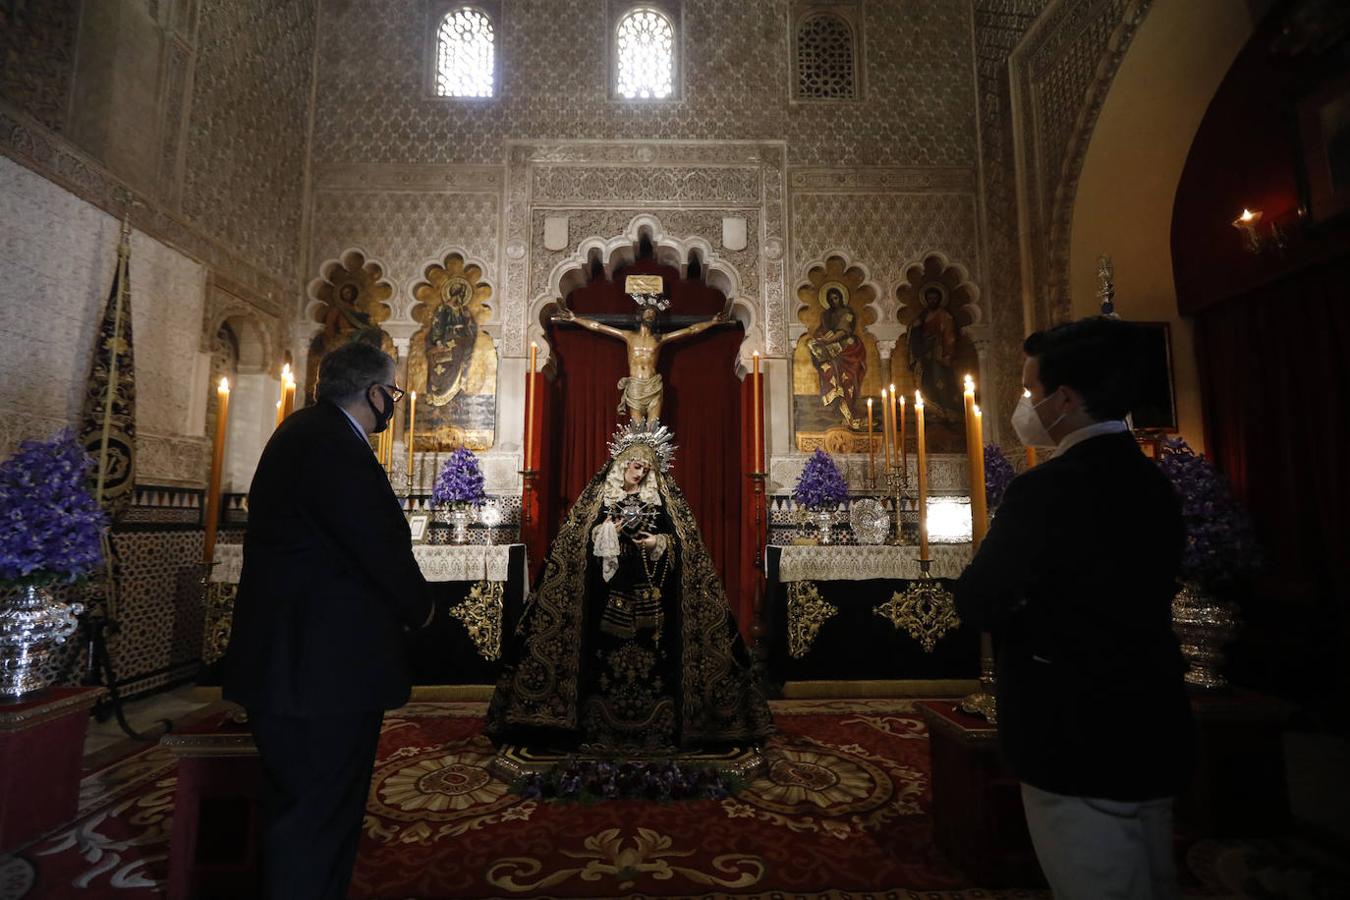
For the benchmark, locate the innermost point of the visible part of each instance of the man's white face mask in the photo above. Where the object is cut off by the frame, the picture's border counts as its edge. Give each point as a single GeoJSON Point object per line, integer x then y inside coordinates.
{"type": "Point", "coordinates": [1030, 430]}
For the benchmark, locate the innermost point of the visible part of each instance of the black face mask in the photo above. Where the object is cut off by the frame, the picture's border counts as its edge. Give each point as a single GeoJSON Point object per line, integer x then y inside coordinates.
{"type": "Point", "coordinates": [382, 416]}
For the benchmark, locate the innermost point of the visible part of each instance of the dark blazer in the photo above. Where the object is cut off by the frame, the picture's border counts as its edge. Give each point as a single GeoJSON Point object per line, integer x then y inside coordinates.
{"type": "Point", "coordinates": [1075, 580]}
{"type": "Point", "coordinates": [329, 580]}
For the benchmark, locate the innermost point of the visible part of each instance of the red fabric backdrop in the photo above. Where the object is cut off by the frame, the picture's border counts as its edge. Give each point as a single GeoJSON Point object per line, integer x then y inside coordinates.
{"type": "Point", "coordinates": [702, 406]}
{"type": "Point", "coordinates": [1272, 338]}
{"type": "Point", "coordinates": [1275, 373]}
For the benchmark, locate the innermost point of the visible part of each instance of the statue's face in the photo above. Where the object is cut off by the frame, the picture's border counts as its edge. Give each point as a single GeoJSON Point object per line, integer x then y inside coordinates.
{"type": "Point", "coordinates": [648, 316]}
{"type": "Point", "coordinates": [833, 297]}
{"type": "Point", "coordinates": [634, 471]}
{"type": "Point", "coordinates": [932, 298]}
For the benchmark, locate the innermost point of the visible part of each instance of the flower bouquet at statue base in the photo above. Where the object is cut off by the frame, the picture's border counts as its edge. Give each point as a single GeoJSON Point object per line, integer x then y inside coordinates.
{"type": "Point", "coordinates": [819, 491]}
{"type": "Point", "coordinates": [50, 535]}
{"type": "Point", "coordinates": [1221, 555]}
{"type": "Point", "coordinates": [458, 492]}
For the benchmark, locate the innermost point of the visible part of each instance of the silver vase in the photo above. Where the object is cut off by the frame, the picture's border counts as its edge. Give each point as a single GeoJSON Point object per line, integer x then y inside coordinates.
{"type": "Point", "coordinates": [460, 517]}
{"type": "Point", "coordinates": [1204, 625]}
{"type": "Point", "coordinates": [32, 624]}
{"type": "Point", "coordinates": [824, 519]}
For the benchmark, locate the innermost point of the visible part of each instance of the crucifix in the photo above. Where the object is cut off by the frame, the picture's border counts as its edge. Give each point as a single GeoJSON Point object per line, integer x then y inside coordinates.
{"type": "Point", "coordinates": [640, 390]}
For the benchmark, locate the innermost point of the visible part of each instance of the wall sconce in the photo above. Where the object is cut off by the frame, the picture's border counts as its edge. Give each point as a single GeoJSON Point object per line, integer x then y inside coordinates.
{"type": "Point", "coordinates": [1252, 241]}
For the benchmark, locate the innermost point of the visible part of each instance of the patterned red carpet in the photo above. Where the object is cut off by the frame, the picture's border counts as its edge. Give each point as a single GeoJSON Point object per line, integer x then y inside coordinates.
{"type": "Point", "coordinates": [842, 810]}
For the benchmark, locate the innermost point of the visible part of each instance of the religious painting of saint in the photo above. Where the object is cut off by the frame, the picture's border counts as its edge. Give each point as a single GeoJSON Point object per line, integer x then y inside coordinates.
{"type": "Point", "coordinates": [352, 304]}
{"type": "Point", "coordinates": [452, 361]}
{"type": "Point", "coordinates": [931, 340]}
{"type": "Point", "coordinates": [937, 306]}
{"type": "Point", "coordinates": [835, 362]}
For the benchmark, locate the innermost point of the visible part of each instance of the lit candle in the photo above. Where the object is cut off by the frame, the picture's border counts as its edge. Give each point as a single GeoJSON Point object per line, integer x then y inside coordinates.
{"type": "Point", "coordinates": [1031, 451]}
{"type": "Point", "coordinates": [895, 426]}
{"type": "Point", "coordinates": [968, 397]}
{"type": "Point", "coordinates": [217, 463]}
{"type": "Point", "coordinates": [904, 448]}
{"type": "Point", "coordinates": [412, 429]}
{"type": "Point", "coordinates": [756, 386]}
{"type": "Point", "coordinates": [287, 391]}
{"type": "Point", "coordinates": [871, 448]}
{"type": "Point", "coordinates": [886, 436]}
{"type": "Point", "coordinates": [979, 504]}
{"type": "Point", "coordinates": [279, 402]}
{"type": "Point", "coordinates": [529, 408]}
{"type": "Point", "coordinates": [923, 476]}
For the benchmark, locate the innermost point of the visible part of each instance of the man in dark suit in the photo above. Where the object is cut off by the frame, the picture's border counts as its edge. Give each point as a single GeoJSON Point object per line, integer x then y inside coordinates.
{"type": "Point", "coordinates": [316, 654]}
{"type": "Point", "coordinates": [1075, 580]}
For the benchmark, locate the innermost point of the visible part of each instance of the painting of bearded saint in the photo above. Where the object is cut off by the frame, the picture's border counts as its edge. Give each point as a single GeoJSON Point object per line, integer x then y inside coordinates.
{"type": "Point", "coordinates": [839, 356]}
{"type": "Point", "coordinates": [932, 342]}
{"type": "Point", "coordinates": [450, 341]}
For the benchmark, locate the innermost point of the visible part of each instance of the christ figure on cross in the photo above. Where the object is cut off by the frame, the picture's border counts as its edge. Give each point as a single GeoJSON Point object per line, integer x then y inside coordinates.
{"type": "Point", "coordinates": [640, 390]}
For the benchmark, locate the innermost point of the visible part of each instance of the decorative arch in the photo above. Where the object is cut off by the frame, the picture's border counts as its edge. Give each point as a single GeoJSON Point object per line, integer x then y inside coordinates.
{"type": "Point", "coordinates": [452, 359]}
{"type": "Point", "coordinates": [619, 251]}
{"type": "Point", "coordinates": [836, 363]}
{"type": "Point", "coordinates": [350, 300]}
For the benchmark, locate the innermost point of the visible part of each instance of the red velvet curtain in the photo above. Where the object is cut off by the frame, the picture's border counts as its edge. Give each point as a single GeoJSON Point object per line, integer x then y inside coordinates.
{"type": "Point", "coordinates": [702, 406]}
{"type": "Point", "coordinates": [1275, 377]}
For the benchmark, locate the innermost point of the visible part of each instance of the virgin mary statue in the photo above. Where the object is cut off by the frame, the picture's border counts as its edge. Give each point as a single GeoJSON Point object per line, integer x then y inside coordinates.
{"type": "Point", "coordinates": [628, 647]}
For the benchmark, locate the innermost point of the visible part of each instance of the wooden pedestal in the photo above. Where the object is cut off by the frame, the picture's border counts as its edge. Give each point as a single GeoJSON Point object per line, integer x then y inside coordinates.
{"type": "Point", "coordinates": [213, 848]}
{"type": "Point", "coordinates": [41, 751]}
{"type": "Point", "coordinates": [978, 820]}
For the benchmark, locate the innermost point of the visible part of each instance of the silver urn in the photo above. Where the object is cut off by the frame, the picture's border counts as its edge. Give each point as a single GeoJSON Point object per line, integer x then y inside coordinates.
{"type": "Point", "coordinates": [33, 623]}
{"type": "Point", "coordinates": [1205, 626]}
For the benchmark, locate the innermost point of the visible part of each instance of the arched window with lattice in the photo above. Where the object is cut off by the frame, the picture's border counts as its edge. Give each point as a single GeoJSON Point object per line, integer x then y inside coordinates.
{"type": "Point", "coordinates": [825, 57]}
{"type": "Point", "coordinates": [466, 47]}
{"type": "Point", "coordinates": [645, 56]}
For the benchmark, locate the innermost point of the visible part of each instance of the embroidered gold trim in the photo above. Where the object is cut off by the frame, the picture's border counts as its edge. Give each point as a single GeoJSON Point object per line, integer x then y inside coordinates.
{"type": "Point", "coordinates": [807, 611]}
{"type": "Point", "coordinates": [925, 610]}
{"type": "Point", "coordinates": [481, 613]}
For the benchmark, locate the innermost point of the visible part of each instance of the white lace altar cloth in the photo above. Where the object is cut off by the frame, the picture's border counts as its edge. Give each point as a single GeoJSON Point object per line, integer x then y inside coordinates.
{"type": "Point", "coordinates": [856, 562]}
{"type": "Point", "coordinates": [439, 562]}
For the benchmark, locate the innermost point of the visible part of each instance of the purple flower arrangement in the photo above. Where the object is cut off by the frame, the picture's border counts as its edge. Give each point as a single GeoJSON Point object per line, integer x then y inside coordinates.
{"type": "Point", "coordinates": [1221, 549]}
{"type": "Point", "coordinates": [998, 474]}
{"type": "Point", "coordinates": [460, 480]}
{"type": "Point", "coordinates": [49, 524]}
{"type": "Point", "coordinates": [589, 781]}
{"type": "Point", "coordinates": [820, 486]}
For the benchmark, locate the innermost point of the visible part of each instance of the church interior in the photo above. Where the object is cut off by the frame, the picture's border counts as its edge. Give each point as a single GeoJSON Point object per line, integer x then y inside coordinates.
{"type": "Point", "coordinates": [808, 236]}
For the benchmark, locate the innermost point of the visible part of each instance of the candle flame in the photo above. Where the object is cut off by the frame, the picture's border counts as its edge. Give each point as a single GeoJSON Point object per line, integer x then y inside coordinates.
{"type": "Point", "coordinates": [224, 385]}
{"type": "Point", "coordinates": [1247, 215]}
{"type": "Point", "coordinates": [534, 345]}
{"type": "Point", "coordinates": [1026, 392]}
{"type": "Point", "coordinates": [883, 393]}
{"type": "Point", "coordinates": [414, 396]}
{"type": "Point", "coordinates": [892, 388]}
{"type": "Point", "coordinates": [869, 402]}
{"type": "Point", "coordinates": [285, 371]}
{"type": "Point", "coordinates": [970, 385]}
{"type": "Point", "coordinates": [978, 412]}
{"type": "Point", "coordinates": [918, 400]}
{"type": "Point", "coordinates": [902, 401]}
